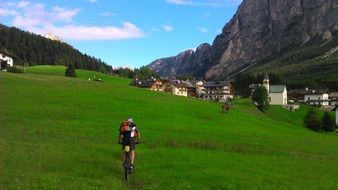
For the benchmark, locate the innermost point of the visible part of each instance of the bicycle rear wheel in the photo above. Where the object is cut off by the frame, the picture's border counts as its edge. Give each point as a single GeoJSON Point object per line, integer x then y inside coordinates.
{"type": "Point", "coordinates": [126, 167]}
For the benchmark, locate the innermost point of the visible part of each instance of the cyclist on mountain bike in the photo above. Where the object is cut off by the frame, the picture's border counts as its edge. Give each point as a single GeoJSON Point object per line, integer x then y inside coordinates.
{"type": "Point", "coordinates": [129, 135]}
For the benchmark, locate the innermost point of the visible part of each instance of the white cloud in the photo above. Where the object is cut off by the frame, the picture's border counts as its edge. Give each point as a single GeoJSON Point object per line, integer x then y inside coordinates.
{"type": "Point", "coordinates": [197, 3]}
{"type": "Point", "coordinates": [167, 28]}
{"type": "Point", "coordinates": [29, 14]}
{"type": "Point", "coordinates": [23, 4]}
{"type": "Point", "coordinates": [107, 14]}
{"type": "Point", "coordinates": [8, 4]}
{"type": "Point", "coordinates": [211, 3]}
{"type": "Point", "coordinates": [8, 9]}
{"type": "Point", "coordinates": [203, 30]}
{"type": "Point", "coordinates": [63, 14]}
{"type": "Point", "coordinates": [80, 32]}
{"type": "Point", "coordinates": [155, 29]}
{"type": "Point", "coordinates": [180, 2]}
{"type": "Point", "coordinates": [4, 12]}
{"type": "Point", "coordinates": [92, 1]}
{"type": "Point", "coordinates": [34, 17]}
{"type": "Point", "coordinates": [205, 15]}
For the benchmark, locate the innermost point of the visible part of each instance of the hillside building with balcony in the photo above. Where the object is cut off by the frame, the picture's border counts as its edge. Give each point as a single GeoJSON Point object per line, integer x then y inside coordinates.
{"type": "Point", "coordinates": [217, 90]}
{"type": "Point", "coordinates": [5, 61]}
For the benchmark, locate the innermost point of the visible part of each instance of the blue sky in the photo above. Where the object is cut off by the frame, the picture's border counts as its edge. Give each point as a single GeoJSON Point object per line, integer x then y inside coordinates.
{"type": "Point", "coordinates": [123, 32]}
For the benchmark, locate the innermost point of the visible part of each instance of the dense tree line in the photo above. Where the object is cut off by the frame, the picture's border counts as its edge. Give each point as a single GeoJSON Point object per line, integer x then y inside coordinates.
{"type": "Point", "coordinates": [313, 122]}
{"type": "Point", "coordinates": [31, 49]}
{"type": "Point", "coordinates": [141, 73]}
{"type": "Point", "coordinates": [123, 72]}
{"type": "Point", "coordinates": [243, 80]}
{"type": "Point", "coordinates": [145, 73]}
{"type": "Point", "coordinates": [313, 65]}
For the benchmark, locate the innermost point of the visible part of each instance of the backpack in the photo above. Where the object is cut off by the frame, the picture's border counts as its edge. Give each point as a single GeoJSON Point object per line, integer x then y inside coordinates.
{"type": "Point", "coordinates": [125, 127]}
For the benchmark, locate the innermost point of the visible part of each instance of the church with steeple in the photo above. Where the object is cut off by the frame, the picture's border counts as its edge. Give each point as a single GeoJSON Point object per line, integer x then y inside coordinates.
{"type": "Point", "coordinates": [277, 94]}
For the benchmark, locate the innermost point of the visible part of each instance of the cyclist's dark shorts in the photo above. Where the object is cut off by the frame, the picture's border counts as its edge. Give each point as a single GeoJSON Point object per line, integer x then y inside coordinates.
{"type": "Point", "coordinates": [129, 141]}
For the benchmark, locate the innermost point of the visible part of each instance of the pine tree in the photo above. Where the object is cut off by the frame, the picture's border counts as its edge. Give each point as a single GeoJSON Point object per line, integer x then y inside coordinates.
{"type": "Point", "coordinates": [311, 120]}
{"type": "Point", "coordinates": [70, 71]}
{"type": "Point", "coordinates": [30, 49]}
{"type": "Point", "coordinates": [327, 123]}
{"type": "Point", "coordinates": [260, 97]}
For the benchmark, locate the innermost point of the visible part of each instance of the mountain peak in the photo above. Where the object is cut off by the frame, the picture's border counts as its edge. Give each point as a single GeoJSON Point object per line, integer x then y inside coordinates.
{"type": "Point", "coordinates": [257, 30]}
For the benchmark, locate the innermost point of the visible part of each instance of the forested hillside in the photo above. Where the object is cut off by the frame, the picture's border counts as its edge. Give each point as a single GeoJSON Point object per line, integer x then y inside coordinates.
{"type": "Point", "coordinates": [313, 65]}
{"type": "Point", "coordinates": [33, 49]}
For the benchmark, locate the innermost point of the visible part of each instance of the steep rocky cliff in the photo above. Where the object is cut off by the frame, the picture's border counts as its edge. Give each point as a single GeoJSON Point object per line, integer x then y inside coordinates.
{"type": "Point", "coordinates": [259, 28]}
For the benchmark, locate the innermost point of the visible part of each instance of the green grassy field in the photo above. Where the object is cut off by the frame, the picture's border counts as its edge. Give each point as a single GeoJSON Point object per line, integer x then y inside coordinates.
{"type": "Point", "coordinates": [60, 133]}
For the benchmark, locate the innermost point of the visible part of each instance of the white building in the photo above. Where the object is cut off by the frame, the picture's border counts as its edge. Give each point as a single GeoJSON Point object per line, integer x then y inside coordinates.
{"type": "Point", "coordinates": [320, 99]}
{"type": "Point", "coordinates": [217, 90]}
{"type": "Point", "coordinates": [176, 87]}
{"type": "Point", "coordinates": [333, 96]}
{"type": "Point", "coordinates": [6, 60]}
{"type": "Point", "coordinates": [180, 89]}
{"type": "Point", "coordinates": [199, 88]}
{"type": "Point", "coordinates": [336, 108]}
{"type": "Point", "coordinates": [277, 93]}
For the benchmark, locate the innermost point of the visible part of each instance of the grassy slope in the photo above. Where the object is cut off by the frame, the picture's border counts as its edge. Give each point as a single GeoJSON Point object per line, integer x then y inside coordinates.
{"type": "Point", "coordinates": [60, 133]}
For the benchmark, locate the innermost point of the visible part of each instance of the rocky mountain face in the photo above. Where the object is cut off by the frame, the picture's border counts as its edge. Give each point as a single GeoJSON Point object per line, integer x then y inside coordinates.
{"type": "Point", "coordinates": [259, 28]}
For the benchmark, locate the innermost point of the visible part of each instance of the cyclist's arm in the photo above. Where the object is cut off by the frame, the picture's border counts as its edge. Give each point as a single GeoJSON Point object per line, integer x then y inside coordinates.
{"type": "Point", "coordinates": [139, 137]}
{"type": "Point", "coordinates": [120, 138]}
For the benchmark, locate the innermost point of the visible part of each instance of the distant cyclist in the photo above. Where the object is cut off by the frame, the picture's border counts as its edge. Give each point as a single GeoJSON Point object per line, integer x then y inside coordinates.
{"type": "Point", "coordinates": [129, 135]}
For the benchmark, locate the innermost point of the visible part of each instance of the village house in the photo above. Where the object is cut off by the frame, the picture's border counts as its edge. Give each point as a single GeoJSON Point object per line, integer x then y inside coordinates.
{"type": "Point", "coordinates": [317, 98]}
{"type": "Point", "coordinates": [5, 61]}
{"type": "Point", "coordinates": [152, 84]}
{"type": "Point", "coordinates": [217, 90]}
{"type": "Point", "coordinates": [176, 87]}
{"type": "Point", "coordinates": [277, 93]}
{"type": "Point", "coordinates": [191, 88]}
{"type": "Point", "coordinates": [157, 85]}
{"type": "Point", "coordinates": [199, 85]}
{"type": "Point", "coordinates": [296, 95]}
{"type": "Point", "coordinates": [142, 83]}
{"type": "Point", "coordinates": [333, 97]}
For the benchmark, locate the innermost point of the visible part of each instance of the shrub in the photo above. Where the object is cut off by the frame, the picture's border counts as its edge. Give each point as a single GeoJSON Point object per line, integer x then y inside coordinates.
{"type": "Point", "coordinates": [311, 120]}
{"type": "Point", "coordinates": [14, 70]}
{"type": "Point", "coordinates": [98, 80]}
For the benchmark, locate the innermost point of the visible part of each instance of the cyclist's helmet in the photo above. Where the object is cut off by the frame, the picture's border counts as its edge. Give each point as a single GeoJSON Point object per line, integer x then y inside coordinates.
{"type": "Point", "coordinates": [130, 119]}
